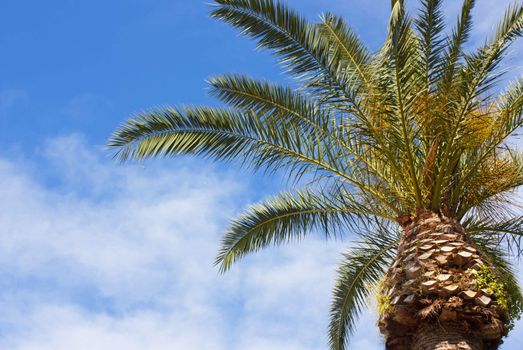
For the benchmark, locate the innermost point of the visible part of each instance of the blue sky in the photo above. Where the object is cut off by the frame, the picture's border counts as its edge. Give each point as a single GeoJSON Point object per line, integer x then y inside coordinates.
{"type": "Point", "coordinates": [96, 255]}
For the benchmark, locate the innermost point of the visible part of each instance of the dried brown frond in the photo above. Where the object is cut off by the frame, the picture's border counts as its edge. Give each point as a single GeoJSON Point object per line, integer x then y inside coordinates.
{"type": "Point", "coordinates": [432, 310]}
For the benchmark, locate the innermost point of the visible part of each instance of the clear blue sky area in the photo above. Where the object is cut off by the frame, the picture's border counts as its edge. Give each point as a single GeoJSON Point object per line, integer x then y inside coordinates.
{"type": "Point", "coordinates": [96, 255]}
{"type": "Point", "coordinates": [87, 65]}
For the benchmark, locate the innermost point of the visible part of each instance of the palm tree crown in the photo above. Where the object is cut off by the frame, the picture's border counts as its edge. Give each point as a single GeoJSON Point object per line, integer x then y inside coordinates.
{"type": "Point", "coordinates": [379, 136]}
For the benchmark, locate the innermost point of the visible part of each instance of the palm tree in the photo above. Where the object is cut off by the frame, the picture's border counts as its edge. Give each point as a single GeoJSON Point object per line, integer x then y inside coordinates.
{"type": "Point", "coordinates": [406, 148]}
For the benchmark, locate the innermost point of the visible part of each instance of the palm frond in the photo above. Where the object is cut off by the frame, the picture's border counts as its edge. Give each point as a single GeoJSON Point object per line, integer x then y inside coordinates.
{"type": "Point", "coordinates": [362, 267]}
{"type": "Point", "coordinates": [430, 25]}
{"type": "Point", "coordinates": [507, 234]}
{"type": "Point", "coordinates": [511, 26]}
{"type": "Point", "coordinates": [450, 100]}
{"type": "Point", "coordinates": [456, 41]}
{"type": "Point", "coordinates": [349, 56]}
{"type": "Point", "coordinates": [288, 217]}
{"type": "Point", "coordinates": [277, 102]}
{"type": "Point", "coordinates": [302, 49]}
{"type": "Point", "coordinates": [480, 72]}
{"type": "Point", "coordinates": [220, 134]}
{"type": "Point", "coordinates": [509, 113]}
{"type": "Point", "coordinates": [494, 182]}
{"type": "Point", "coordinates": [489, 131]}
{"type": "Point", "coordinates": [399, 54]}
{"type": "Point", "coordinates": [270, 100]}
{"type": "Point", "coordinates": [277, 28]}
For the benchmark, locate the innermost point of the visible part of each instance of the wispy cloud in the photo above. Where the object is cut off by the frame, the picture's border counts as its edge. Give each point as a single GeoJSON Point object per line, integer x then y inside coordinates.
{"type": "Point", "coordinates": [101, 256]}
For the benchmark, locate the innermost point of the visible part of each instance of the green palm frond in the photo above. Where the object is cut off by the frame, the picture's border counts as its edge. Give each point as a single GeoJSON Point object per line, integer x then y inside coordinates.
{"type": "Point", "coordinates": [400, 62]}
{"type": "Point", "coordinates": [456, 41]}
{"type": "Point", "coordinates": [274, 101]}
{"type": "Point", "coordinates": [277, 28]}
{"type": "Point", "coordinates": [511, 25]}
{"type": "Point", "coordinates": [506, 118]}
{"type": "Point", "coordinates": [482, 66]}
{"type": "Point", "coordinates": [362, 267]}
{"type": "Point", "coordinates": [430, 25]}
{"type": "Point", "coordinates": [509, 112]}
{"type": "Point", "coordinates": [302, 50]}
{"type": "Point", "coordinates": [452, 115]}
{"type": "Point", "coordinates": [502, 233]}
{"type": "Point", "coordinates": [480, 73]}
{"type": "Point", "coordinates": [269, 99]}
{"type": "Point", "coordinates": [219, 134]}
{"type": "Point", "coordinates": [494, 183]}
{"type": "Point", "coordinates": [349, 57]}
{"type": "Point", "coordinates": [288, 217]}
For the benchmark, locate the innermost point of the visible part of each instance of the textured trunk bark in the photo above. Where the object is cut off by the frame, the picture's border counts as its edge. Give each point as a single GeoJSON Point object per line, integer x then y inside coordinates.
{"type": "Point", "coordinates": [430, 299]}
{"type": "Point", "coordinates": [447, 336]}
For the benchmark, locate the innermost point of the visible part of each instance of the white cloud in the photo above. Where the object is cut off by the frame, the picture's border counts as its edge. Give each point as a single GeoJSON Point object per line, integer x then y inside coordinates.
{"type": "Point", "coordinates": [64, 328]}
{"type": "Point", "coordinates": [96, 255]}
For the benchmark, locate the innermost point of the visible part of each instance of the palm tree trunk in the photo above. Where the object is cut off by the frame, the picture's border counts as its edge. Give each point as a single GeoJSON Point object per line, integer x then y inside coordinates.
{"type": "Point", "coordinates": [430, 298]}
{"type": "Point", "coordinates": [447, 336]}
